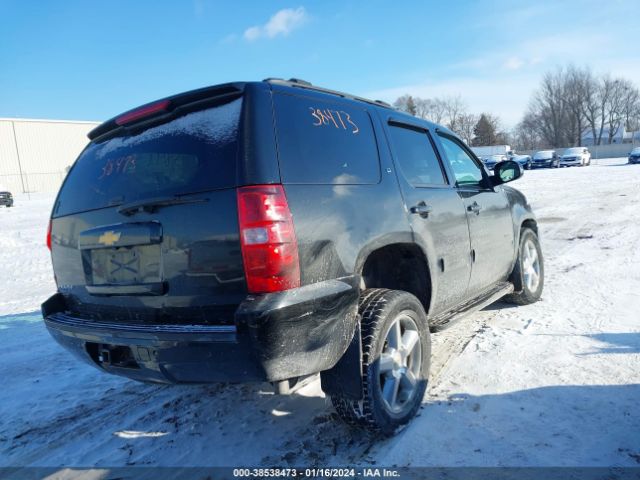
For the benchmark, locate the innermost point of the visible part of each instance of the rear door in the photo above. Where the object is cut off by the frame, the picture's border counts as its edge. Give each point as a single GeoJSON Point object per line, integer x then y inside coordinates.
{"type": "Point", "coordinates": [436, 212]}
{"type": "Point", "coordinates": [145, 226]}
{"type": "Point", "coordinates": [489, 215]}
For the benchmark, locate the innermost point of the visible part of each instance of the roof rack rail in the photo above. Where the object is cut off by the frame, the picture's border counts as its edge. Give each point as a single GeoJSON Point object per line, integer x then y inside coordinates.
{"type": "Point", "coordinates": [296, 82]}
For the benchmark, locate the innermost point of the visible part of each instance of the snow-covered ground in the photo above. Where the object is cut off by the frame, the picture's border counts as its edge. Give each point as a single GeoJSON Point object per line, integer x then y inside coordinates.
{"type": "Point", "coordinates": [550, 384]}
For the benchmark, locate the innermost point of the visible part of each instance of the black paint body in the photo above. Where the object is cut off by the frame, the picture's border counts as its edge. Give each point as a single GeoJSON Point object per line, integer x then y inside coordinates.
{"type": "Point", "coordinates": [183, 313]}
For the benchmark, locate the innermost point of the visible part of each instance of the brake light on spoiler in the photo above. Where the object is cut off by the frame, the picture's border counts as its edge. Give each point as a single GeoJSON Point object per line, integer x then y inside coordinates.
{"type": "Point", "coordinates": [143, 112]}
{"type": "Point", "coordinates": [268, 239]}
{"type": "Point", "coordinates": [49, 236]}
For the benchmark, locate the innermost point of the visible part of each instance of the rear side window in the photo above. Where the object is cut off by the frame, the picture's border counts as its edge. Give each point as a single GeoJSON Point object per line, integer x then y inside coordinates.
{"type": "Point", "coordinates": [193, 153]}
{"type": "Point", "coordinates": [325, 143]}
{"type": "Point", "coordinates": [414, 152]}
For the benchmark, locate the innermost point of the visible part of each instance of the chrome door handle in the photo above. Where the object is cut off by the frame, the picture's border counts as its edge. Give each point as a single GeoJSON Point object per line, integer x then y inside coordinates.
{"type": "Point", "coordinates": [421, 209]}
{"type": "Point", "coordinates": [475, 208]}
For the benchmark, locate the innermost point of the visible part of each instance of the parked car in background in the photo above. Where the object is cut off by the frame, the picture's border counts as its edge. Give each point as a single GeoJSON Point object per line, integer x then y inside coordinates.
{"type": "Point", "coordinates": [575, 156]}
{"type": "Point", "coordinates": [6, 198]}
{"type": "Point", "coordinates": [490, 161]}
{"type": "Point", "coordinates": [545, 158]}
{"type": "Point", "coordinates": [634, 155]}
{"type": "Point", "coordinates": [491, 150]}
{"type": "Point", "coordinates": [505, 151]}
{"type": "Point", "coordinates": [524, 160]}
{"type": "Point", "coordinates": [268, 231]}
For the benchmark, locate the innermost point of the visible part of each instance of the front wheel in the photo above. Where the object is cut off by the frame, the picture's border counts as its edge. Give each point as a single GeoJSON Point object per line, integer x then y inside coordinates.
{"type": "Point", "coordinates": [528, 272]}
{"type": "Point", "coordinates": [396, 347]}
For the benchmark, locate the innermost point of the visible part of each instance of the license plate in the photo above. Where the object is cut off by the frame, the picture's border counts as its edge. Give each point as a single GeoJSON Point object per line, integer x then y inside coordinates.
{"type": "Point", "coordinates": [125, 265]}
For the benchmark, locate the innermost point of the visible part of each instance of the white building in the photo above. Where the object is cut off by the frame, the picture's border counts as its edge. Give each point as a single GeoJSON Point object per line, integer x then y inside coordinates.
{"type": "Point", "coordinates": [621, 136]}
{"type": "Point", "coordinates": [35, 154]}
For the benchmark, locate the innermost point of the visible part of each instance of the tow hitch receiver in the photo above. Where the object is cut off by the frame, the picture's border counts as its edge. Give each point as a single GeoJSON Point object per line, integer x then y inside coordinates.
{"type": "Point", "coordinates": [112, 355]}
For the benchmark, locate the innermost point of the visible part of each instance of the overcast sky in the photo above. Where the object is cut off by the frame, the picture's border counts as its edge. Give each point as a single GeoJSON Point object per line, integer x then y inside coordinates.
{"type": "Point", "coordinates": [92, 60]}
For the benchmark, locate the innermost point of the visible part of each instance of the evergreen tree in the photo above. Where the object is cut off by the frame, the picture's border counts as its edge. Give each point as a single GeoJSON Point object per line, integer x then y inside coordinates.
{"type": "Point", "coordinates": [484, 132]}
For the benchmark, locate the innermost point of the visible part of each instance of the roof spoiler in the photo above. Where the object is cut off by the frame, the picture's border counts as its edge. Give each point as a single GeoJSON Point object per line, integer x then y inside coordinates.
{"type": "Point", "coordinates": [161, 111]}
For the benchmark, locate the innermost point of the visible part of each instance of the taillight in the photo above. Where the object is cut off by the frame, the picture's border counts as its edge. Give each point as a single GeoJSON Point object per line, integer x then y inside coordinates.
{"type": "Point", "coordinates": [268, 240]}
{"type": "Point", "coordinates": [142, 112]}
{"type": "Point", "coordinates": [49, 236]}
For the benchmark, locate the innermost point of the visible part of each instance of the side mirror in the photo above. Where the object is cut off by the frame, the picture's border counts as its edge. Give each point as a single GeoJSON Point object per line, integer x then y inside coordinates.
{"type": "Point", "coordinates": [506, 171]}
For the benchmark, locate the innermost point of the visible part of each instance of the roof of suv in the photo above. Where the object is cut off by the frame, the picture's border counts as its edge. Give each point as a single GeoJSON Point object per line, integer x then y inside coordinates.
{"type": "Point", "coordinates": [297, 83]}
{"type": "Point", "coordinates": [190, 99]}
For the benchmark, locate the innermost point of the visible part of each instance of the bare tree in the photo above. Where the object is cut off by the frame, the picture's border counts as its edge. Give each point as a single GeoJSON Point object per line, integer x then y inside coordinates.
{"type": "Point", "coordinates": [550, 109]}
{"type": "Point", "coordinates": [613, 108]}
{"type": "Point", "coordinates": [454, 108]}
{"type": "Point", "coordinates": [430, 109]}
{"type": "Point", "coordinates": [593, 107]}
{"type": "Point", "coordinates": [526, 134]}
{"type": "Point", "coordinates": [571, 101]}
{"type": "Point", "coordinates": [464, 126]}
{"type": "Point", "coordinates": [620, 103]}
{"type": "Point", "coordinates": [406, 103]}
{"type": "Point", "coordinates": [631, 109]}
{"type": "Point", "coordinates": [574, 99]}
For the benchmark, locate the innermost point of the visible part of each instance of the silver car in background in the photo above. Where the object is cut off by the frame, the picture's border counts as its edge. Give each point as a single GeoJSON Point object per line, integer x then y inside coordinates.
{"type": "Point", "coordinates": [575, 156]}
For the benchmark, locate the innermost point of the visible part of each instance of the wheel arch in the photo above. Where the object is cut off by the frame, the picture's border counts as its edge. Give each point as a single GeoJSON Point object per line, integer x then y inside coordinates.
{"type": "Point", "coordinates": [399, 265]}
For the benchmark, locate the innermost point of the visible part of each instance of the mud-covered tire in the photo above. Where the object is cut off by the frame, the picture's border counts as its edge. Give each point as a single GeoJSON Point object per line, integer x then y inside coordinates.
{"type": "Point", "coordinates": [381, 310]}
{"type": "Point", "coordinates": [529, 292]}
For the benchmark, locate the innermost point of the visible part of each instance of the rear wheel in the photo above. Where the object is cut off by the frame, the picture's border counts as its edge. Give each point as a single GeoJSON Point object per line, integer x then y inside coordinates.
{"type": "Point", "coordinates": [529, 270]}
{"type": "Point", "coordinates": [395, 363]}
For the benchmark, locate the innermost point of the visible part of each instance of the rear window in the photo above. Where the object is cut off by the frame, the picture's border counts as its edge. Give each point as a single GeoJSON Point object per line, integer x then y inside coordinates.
{"type": "Point", "coordinates": [325, 143]}
{"type": "Point", "coordinates": [417, 158]}
{"type": "Point", "coordinates": [193, 153]}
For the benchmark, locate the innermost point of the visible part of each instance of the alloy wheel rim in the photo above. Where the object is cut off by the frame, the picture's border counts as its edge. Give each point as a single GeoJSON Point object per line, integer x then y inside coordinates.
{"type": "Point", "coordinates": [400, 363]}
{"type": "Point", "coordinates": [531, 266]}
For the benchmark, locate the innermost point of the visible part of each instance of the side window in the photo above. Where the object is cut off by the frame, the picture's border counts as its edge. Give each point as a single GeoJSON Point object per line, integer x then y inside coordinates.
{"type": "Point", "coordinates": [416, 156]}
{"type": "Point", "coordinates": [465, 169]}
{"type": "Point", "coordinates": [322, 142]}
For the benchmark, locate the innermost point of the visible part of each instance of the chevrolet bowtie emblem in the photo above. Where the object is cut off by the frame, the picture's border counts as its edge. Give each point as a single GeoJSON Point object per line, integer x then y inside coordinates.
{"type": "Point", "coordinates": [109, 238]}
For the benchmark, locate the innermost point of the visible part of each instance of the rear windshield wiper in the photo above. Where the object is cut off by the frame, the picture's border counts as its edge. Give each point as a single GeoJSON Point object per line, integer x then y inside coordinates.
{"type": "Point", "coordinates": [153, 204]}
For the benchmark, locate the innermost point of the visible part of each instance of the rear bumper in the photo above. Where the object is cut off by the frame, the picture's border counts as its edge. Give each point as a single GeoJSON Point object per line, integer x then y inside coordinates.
{"type": "Point", "coordinates": [275, 337]}
{"type": "Point", "coordinates": [6, 201]}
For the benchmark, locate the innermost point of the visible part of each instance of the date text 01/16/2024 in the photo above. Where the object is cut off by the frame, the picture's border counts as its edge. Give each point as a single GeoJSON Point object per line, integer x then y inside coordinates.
{"type": "Point", "coordinates": [315, 472]}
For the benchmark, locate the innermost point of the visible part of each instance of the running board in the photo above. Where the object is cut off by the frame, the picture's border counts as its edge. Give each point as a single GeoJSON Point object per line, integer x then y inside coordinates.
{"type": "Point", "coordinates": [443, 320]}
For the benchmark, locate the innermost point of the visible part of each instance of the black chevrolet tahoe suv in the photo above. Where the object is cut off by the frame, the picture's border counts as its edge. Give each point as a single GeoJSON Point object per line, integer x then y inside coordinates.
{"type": "Point", "coordinates": [270, 231]}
